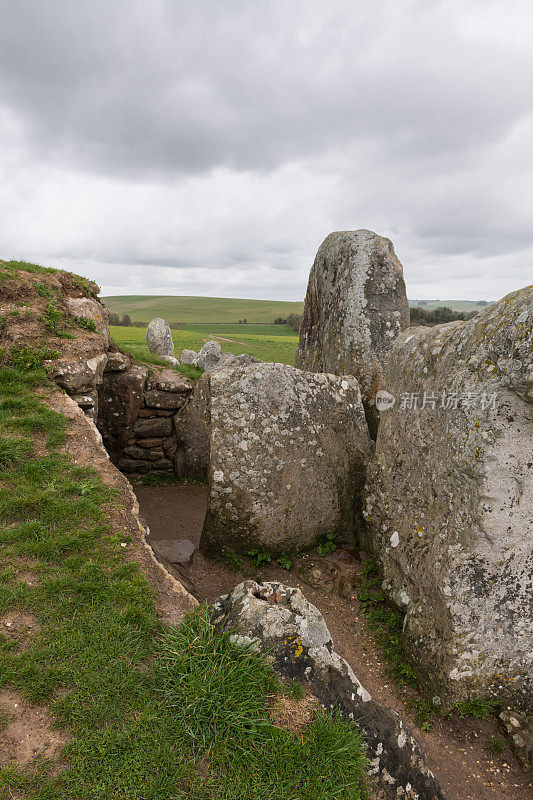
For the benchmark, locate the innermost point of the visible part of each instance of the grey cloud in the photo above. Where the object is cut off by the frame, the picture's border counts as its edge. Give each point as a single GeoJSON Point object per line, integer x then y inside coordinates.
{"type": "Point", "coordinates": [170, 88]}
{"type": "Point", "coordinates": [187, 139]}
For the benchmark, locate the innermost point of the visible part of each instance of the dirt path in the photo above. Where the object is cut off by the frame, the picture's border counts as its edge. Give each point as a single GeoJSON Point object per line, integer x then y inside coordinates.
{"type": "Point", "coordinates": [454, 748]}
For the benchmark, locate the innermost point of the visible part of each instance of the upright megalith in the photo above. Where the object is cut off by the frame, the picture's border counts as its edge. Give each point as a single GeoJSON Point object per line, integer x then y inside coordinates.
{"type": "Point", "coordinates": [287, 457]}
{"type": "Point", "coordinates": [355, 308]}
{"type": "Point", "coordinates": [450, 499]}
{"type": "Point", "coordinates": [159, 338]}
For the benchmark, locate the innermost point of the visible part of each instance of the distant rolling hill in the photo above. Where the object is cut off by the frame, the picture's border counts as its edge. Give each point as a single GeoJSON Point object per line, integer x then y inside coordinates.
{"type": "Point", "coordinates": [200, 309]}
{"type": "Point", "coordinates": [229, 309]}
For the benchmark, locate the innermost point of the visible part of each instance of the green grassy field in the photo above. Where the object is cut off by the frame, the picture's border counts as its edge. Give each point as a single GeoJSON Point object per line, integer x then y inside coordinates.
{"type": "Point", "coordinates": [268, 342]}
{"type": "Point", "coordinates": [143, 308]}
{"type": "Point", "coordinates": [214, 310]}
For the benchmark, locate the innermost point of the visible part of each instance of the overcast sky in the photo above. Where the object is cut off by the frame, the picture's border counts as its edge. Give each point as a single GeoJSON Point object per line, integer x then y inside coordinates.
{"type": "Point", "coordinates": [208, 147]}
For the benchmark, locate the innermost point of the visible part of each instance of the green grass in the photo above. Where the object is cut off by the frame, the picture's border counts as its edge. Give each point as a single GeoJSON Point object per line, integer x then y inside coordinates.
{"type": "Point", "coordinates": [200, 309]}
{"type": "Point", "coordinates": [27, 266]}
{"type": "Point", "coordinates": [152, 713]}
{"type": "Point", "coordinates": [275, 343]}
{"type": "Point", "coordinates": [386, 622]}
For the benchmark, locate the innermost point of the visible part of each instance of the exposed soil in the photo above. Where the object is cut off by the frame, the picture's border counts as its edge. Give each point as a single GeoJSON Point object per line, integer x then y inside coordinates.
{"type": "Point", "coordinates": [28, 733]}
{"type": "Point", "coordinates": [454, 747]}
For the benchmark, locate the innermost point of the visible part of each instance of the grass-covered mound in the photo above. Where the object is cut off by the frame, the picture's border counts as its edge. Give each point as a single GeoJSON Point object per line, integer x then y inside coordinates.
{"type": "Point", "coordinates": [150, 712]}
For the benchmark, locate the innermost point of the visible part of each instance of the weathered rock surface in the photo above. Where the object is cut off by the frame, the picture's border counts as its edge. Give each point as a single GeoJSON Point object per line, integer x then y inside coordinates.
{"type": "Point", "coordinates": [288, 451]}
{"type": "Point", "coordinates": [209, 355]}
{"type": "Point", "coordinates": [154, 426]}
{"type": "Point", "coordinates": [91, 309]}
{"type": "Point", "coordinates": [278, 620]}
{"type": "Point", "coordinates": [450, 499]}
{"type": "Point", "coordinates": [191, 458]}
{"type": "Point", "coordinates": [355, 307]}
{"type": "Point", "coordinates": [519, 730]}
{"type": "Point", "coordinates": [159, 338]}
{"type": "Point", "coordinates": [187, 357]}
{"type": "Point", "coordinates": [176, 551]}
{"type": "Point", "coordinates": [78, 376]}
{"type": "Point", "coordinates": [117, 362]}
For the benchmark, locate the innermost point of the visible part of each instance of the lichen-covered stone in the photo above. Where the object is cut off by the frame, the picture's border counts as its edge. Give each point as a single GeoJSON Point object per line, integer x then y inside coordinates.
{"type": "Point", "coordinates": [78, 376]}
{"type": "Point", "coordinates": [450, 499]}
{"type": "Point", "coordinates": [519, 729]}
{"type": "Point", "coordinates": [187, 357]}
{"type": "Point", "coordinates": [279, 621]}
{"type": "Point", "coordinates": [288, 451]}
{"type": "Point", "coordinates": [191, 426]}
{"type": "Point", "coordinates": [355, 307]}
{"type": "Point", "coordinates": [209, 355]}
{"type": "Point", "coordinates": [91, 309]}
{"type": "Point", "coordinates": [159, 338]}
{"type": "Point", "coordinates": [152, 427]}
{"type": "Point", "coordinates": [117, 362]}
{"type": "Point", "coordinates": [164, 400]}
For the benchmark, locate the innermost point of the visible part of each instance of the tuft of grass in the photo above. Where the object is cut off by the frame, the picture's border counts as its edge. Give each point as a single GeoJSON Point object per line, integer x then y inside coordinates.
{"type": "Point", "coordinates": [152, 713]}
{"type": "Point", "coordinates": [215, 688]}
{"type": "Point", "coordinates": [495, 746]}
{"type": "Point", "coordinates": [54, 321]}
{"type": "Point", "coordinates": [387, 623]}
{"type": "Point", "coordinates": [479, 707]}
{"type": "Point", "coordinates": [232, 560]}
{"type": "Point", "coordinates": [29, 357]}
{"type": "Point", "coordinates": [27, 266]}
{"type": "Point", "coordinates": [44, 291]}
{"type": "Point", "coordinates": [86, 322]}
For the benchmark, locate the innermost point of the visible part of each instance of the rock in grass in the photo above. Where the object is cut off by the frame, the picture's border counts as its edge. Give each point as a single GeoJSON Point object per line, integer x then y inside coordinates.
{"type": "Point", "coordinates": [287, 457]}
{"type": "Point", "coordinates": [159, 338]}
{"type": "Point", "coordinates": [450, 500]}
{"type": "Point", "coordinates": [187, 357]}
{"type": "Point", "coordinates": [355, 307]}
{"type": "Point", "coordinates": [278, 620]}
{"type": "Point", "coordinates": [209, 355]}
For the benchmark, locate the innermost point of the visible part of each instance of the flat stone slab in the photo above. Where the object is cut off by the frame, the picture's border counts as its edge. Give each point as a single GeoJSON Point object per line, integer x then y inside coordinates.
{"type": "Point", "coordinates": [177, 551]}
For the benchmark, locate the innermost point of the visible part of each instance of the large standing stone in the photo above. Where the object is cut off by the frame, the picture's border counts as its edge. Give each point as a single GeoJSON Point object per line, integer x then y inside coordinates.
{"type": "Point", "coordinates": [159, 338]}
{"type": "Point", "coordinates": [288, 451]}
{"type": "Point", "coordinates": [450, 499]}
{"type": "Point", "coordinates": [354, 309]}
{"type": "Point", "coordinates": [279, 621]}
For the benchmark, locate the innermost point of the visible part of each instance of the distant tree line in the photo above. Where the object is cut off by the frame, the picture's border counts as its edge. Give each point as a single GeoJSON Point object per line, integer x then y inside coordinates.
{"type": "Point", "coordinates": [126, 322]}
{"type": "Point", "coordinates": [420, 316]}
{"type": "Point", "coordinates": [293, 321]}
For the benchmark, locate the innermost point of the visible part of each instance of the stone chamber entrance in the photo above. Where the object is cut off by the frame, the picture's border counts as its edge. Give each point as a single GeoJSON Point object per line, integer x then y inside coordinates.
{"type": "Point", "coordinates": [153, 433]}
